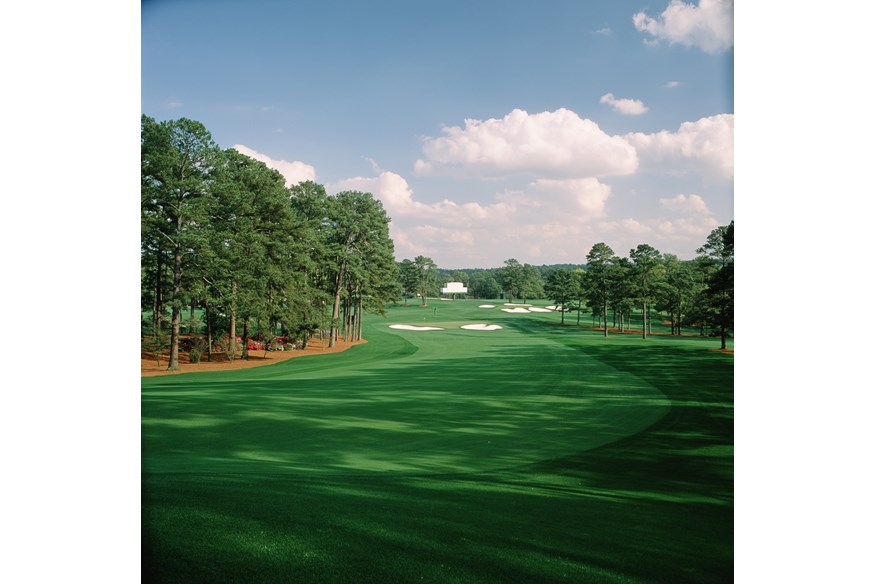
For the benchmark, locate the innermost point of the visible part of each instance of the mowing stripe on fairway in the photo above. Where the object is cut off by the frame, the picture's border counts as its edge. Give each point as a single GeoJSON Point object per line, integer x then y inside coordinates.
{"type": "Point", "coordinates": [449, 401]}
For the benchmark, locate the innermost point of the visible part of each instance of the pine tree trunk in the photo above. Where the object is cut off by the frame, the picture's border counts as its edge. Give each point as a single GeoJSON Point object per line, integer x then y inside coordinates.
{"type": "Point", "coordinates": [336, 306]}
{"type": "Point", "coordinates": [232, 326]}
{"type": "Point", "coordinates": [245, 355]}
{"type": "Point", "coordinates": [359, 320]}
{"type": "Point", "coordinates": [156, 302]}
{"type": "Point", "coordinates": [209, 329]}
{"type": "Point", "coordinates": [173, 362]}
{"type": "Point", "coordinates": [649, 319]}
{"type": "Point", "coordinates": [644, 320]}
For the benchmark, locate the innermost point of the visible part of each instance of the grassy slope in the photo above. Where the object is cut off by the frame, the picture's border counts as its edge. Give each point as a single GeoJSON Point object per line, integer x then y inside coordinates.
{"type": "Point", "coordinates": [534, 453]}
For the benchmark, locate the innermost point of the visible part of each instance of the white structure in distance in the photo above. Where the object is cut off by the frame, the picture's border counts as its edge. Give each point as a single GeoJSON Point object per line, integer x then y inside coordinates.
{"type": "Point", "coordinates": [454, 288]}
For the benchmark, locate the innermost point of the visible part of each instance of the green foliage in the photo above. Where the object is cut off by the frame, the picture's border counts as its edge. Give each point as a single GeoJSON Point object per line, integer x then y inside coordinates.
{"type": "Point", "coordinates": [220, 229]}
{"type": "Point", "coordinates": [426, 281]}
{"type": "Point", "coordinates": [484, 284]}
{"type": "Point", "coordinates": [561, 288]}
{"type": "Point", "coordinates": [716, 300]}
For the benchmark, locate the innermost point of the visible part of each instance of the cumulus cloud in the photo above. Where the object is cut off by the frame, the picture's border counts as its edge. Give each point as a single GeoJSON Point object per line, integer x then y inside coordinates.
{"type": "Point", "coordinates": [392, 190]}
{"type": "Point", "coordinates": [692, 224]}
{"type": "Point", "coordinates": [628, 107]}
{"type": "Point", "coordinates": [579, 197]}
{"type": "Point", "coordinates": [550, 212]}
{"type": "Point", "coordinates": [708, 25]}
{"type": "Point", "coordinates": [691, 230]}
{"type": "Point", "coordinates": [691, 204]}
{"type": "Point", "coordinates": [556, 144]}
{"type": "Point", "coordinates": [671, 84]}
{"type": "Point", "coordinates": [681, 230]}
{"type": "Point", "coordinates": [705, 145]}
{"type": "Point", "coordinates": [582, 198]}
{"type": "Point", "coordinates": [294, 172]}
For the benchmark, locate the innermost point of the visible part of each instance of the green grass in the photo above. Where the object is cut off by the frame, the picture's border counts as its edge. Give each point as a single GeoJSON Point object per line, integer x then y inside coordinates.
{"type": "Point", "coordinates": [536, 453]}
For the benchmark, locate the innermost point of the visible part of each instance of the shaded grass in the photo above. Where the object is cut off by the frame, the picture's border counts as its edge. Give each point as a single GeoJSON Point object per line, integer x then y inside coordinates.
{"type": "Point", "coordinates": [381, 466]}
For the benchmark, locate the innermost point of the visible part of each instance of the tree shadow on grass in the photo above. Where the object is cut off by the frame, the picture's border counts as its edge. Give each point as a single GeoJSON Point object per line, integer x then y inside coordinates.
{"type": "Point", "coordinates": [654, 506]}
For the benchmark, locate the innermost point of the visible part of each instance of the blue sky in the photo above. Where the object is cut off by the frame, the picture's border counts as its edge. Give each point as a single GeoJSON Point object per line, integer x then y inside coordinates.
{"type": "Point", "coordinates": [489, 129]}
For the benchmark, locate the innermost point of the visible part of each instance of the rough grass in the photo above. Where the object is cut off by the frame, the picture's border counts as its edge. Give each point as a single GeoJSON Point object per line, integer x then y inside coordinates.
{"type": "Point", "coordinates": [535, 453]}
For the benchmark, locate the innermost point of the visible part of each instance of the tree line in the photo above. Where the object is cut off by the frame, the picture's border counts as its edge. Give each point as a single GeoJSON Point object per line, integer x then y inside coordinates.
{"type": "Point", "coordinates": [694, 293]}
{"type": "Point", "coordinates": [222, 235]}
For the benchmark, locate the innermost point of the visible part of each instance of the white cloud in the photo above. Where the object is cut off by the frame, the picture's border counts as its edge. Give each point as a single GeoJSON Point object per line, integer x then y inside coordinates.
{"type": "Point", "coordinates": [583, 197]}
{"type": "Point", "coordinates": [556, 144]}
{"type": "Point", "coordinates": [705, 145]}
{"type": "Point", "coordinates": [690, 230]}
{"type": "Point", "coordinates": [628, 107]}
{"type": "Point", "coordinates": [708, 26]}
{"type": "Point", "coordinates": [173, 104]}
{"type": "Point", "coordinates": [692, 227]}
{"type": "Point", "coordinates": [294, 172]}
{"type": "Point", "coordinates": [549, 212]}
{"type": "Point", "coordinates": [605, 31]}
{"type": "Point", "coordinates": [691, 204]}
{"type": "Point", "coordinates": [391, 188]}
{"type": "Point", "coordinates": [671, 84]}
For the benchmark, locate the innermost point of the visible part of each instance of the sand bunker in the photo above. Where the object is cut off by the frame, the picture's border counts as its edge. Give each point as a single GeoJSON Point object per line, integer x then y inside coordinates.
{"type": "Point", "coordinates": [537, 309]}
{"type": "Point", "coordinates": [512, 304]}
{"type": "Point", "coordinates": [517, 310]}
{"type": "Point", "coordinates": [409, 327]}
{"type": "Point", "coordinates": [481, 327]}
{"type": "Point", "coordinates": [486, 306]}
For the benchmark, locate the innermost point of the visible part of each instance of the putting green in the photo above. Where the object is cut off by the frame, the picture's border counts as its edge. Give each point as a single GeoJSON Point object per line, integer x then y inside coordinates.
{"type": "Point", "coordinates": [413, 402]}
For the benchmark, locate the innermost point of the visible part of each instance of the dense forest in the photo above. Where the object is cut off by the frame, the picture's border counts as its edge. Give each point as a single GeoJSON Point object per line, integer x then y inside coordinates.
{"type": "Point", "coordinates": [223, 237]}
{"type": "Point", "coordinates": [229, 251]}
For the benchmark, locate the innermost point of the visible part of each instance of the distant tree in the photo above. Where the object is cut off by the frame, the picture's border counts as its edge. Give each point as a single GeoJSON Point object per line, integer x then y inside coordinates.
{"type": "Point", "coordinates": [561, 288]}
{"type": "Point", "coordinates": [718, 250]}
{"type": "Point", "coordinates": [580, 292]}
{"type": "Point", "coordinates": [678, 290]}
{"type": "Point", "coordinates": [512, 279]}
{"type": "Point", "coordinates": [426, 274]}
{"type": "Point", "coordinates": [647, 269]}
{"type": "Point", "coordinates": [409, 278]}
{"type": "Point", "coordinates": [597, 280]}
{"type": "Point", "coordinates": [532, 285]}
{"type": "Point", "coordinates": [458, 276]}
{"type": "Point", "coordinates": [484, 285]}
{"type": "Point", "coordinates": [621, 291]}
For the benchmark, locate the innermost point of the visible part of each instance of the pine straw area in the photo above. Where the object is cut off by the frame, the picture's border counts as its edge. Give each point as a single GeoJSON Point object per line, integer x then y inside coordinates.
{"type": "Point", "coordinates": [149, 365]}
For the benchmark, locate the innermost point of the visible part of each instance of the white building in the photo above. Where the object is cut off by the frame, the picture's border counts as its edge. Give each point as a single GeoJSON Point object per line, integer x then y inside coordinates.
{"type": "Point", "coordinates": [454, 288]}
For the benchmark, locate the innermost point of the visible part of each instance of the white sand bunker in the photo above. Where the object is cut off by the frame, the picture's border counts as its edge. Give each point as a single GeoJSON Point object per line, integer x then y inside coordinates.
{"type": "Point", "coordinates": [512, 304]}
{"type": "Point", "coordinates": [410, 327]}
{"type": "Point", "coordinates": [517, 310]}
{"type": "Point", "coordinates": [537, 309]}
{"type": "Point", "coordinates": [481, 327]}
{"type": "Point", "coordinates": [486, 306]}
{"type": "Point", "coordinates": [559, 308]}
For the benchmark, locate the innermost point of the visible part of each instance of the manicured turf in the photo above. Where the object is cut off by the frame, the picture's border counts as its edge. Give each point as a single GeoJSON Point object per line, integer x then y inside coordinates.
{"type": "Point", "coordinates": [534, 453]}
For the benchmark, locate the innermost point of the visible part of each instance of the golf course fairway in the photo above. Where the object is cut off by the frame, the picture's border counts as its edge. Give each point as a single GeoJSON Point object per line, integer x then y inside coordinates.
{"type": "Point", "coordinates": [530, 453]}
